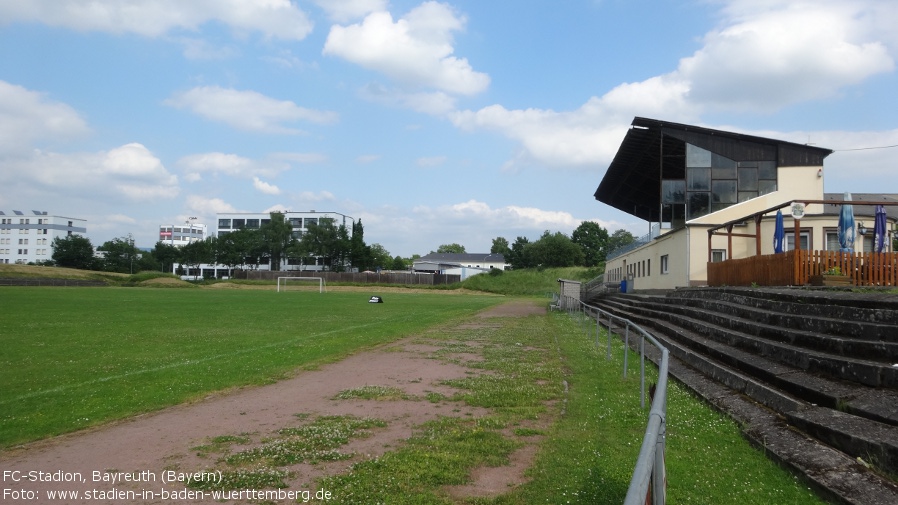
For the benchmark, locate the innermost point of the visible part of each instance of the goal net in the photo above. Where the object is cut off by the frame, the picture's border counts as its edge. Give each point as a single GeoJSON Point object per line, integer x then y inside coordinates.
{"type": "Point", "coordinates": [301, 281]}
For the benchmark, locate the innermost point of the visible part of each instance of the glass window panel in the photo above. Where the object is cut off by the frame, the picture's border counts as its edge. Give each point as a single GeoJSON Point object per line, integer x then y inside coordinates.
{"type": "Point", "coordinates": [673, 191]}
{"type": "Point", "coordinates": [766, 170]}
{"type": "Point", "coordinates": [699, 205]}
{"type": "Point", "coordinates": [252, 223]}
{"type": "Point", "coordinates": [832, 241]}
{"type": "Point", "coordinates": [722, 167]}
{"type": "Point", "coordinates": [723, 173]}
{"type": "Point", "coordinates": [748, 164]}
{"type": "Point", "coordinates": [238, 223]}
{"type": "Point", "coordinates": [719, 206]}
{"type": "Point", "coordinates": [311, 221]}
{"type": "Point", "coordinates": [765, 186]}
{"type": "Point", "coordinates": [697, 157]}
{"type": "Point", "coordinates": [698, 179]}
{"type": "Point", "coordinates": [224, 223]}
{"type": "Point", "coordinates": [745, 196]}
{"type": "Point", "coordinates": [748, 179]}
{"type": "Point", "coordinates": [723, 191]}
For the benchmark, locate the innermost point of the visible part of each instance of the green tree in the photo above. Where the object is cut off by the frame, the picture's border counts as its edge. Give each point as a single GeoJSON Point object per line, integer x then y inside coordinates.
{"type": "Point", "coordinates": [620, 238]}
{"type": "Point", "coordinates": [380, 257]}
{"type": "Point", "coordinates": [554, 250]}
{"type": "Point", "coordinates": [198, 252]}
{"type": "Point", "coordinates": [359, 253]}
{"type": "Point", "coordinates": [342, 249]}
{"type": "Point", "coordinates": [321, 240]}
{"type": "Point", "coordinates": [120, 255]}
{"type": "Point", "coordinates": [74, 251]}
{"type": "Point", "coordinates": [500, 246]}
{"type": "Point", "coordinates": [593, 240]}
{"type": "Point", "coordinates": [166, 254]}
{"type": "Point", "coordinates": [277, 238]}
{"type": "Point", "coordinates": [517, 259]}
{"type": "Point", "coordinates": [399, 264]}
{"type": "Point", "coordinates": [451, 249]}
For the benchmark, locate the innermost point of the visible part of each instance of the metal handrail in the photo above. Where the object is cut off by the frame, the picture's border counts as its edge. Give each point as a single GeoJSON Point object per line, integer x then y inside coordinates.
{"type": "Point", "coordinates": [650, 465]}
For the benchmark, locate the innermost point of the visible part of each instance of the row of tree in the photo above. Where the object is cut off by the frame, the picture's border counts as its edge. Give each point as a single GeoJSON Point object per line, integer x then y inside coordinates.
{"type": "Point", "coordinates": [588, 246]}
{"type": "Point", "coordinates": [274, 242]}
{"type": "Point", "coordinates": [326, 244]}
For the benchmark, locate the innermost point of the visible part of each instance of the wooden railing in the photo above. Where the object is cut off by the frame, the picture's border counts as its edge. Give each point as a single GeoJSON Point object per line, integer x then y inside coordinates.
{"type": "Point", "coordinates": [796, 268]}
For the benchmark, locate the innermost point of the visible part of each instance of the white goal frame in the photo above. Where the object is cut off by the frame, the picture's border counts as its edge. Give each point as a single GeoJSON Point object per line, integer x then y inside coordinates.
{"type": "Point", "coordinates": [322, 286]}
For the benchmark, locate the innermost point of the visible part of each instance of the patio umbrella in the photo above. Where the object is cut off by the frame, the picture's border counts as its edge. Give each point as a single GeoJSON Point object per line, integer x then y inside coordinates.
{"type": "Point", "coordinates": [879, 229]}
{"type": "Point", "coordinates": [846, 226]}
{"type": "Point", "coordinates": [779, 233]}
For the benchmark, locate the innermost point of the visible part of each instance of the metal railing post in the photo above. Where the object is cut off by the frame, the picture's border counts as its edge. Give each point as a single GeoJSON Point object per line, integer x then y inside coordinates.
{"type": "Point", "coordinates": [626, 347]}
{"type": "Point", "coordinates": [642, 371]}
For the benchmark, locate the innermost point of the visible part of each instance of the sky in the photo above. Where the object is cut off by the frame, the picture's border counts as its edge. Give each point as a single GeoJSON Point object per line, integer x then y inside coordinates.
{"type": "Point", "coordinates": [432, 122]}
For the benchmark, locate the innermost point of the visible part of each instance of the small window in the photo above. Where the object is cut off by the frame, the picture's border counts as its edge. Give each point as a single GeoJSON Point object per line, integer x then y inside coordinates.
{"type": "Point", "coordinates": [665, 264]}
{"type": "Point", "coordinates": [224, 223]}
{"type": "Point", "coordinates": [805, 240]}
{"type": "Point", "coordinates": [718, 255]}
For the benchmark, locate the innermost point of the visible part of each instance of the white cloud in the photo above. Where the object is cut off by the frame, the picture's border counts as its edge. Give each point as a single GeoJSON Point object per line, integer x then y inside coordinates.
{"type": "Point", "coordinates": [430, 161]}
{"type": "Point", "coordinates": [27, 117]}
{"type": "Point", "coordinates": [130, 173]}
{"type": "Point", "coordinates": [152, 18]}
{"type": "Point", "coordinates": [769, 55]}
{"type": "Point", "coordinates": [196, 166]}
{"type": "Point", "coordinates": [415, 50]}
{"type": "Point", "coordinates": [585, 137]}
{"type": "Point", "coordinates": [199, 49]}
{"type": "Point", "coordinates": [764, 56]}
{"type": "Point", "coordinates": [201, 205]}
{"type": "Point", "coordinates": [247, 110]}
{"type": "Point", "coordinates": [264, 187]}
{"type": "Point", "coordinates": [310, 197]}
{"type": "Point", "coordinates": [343, 11]}
{"type": "Point", "coordinates": [434, 103]}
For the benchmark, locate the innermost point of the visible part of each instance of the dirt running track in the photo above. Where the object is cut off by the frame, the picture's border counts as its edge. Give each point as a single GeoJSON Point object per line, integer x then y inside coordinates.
{"type": "Point", "coordinates": [151, 444]}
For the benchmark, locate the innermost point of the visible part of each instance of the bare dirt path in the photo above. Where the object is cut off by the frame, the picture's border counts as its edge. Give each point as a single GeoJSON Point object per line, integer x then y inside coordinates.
{"type": "Point", "coordinates": [154, 446]}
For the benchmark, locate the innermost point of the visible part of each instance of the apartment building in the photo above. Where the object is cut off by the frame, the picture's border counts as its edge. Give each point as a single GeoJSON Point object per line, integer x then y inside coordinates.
{"type": "Point", "coordinates": [27, 236]}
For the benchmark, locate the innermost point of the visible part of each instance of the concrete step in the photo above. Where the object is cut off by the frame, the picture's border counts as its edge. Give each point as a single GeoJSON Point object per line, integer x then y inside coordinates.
{"type": "Point", "coordinates": [705, 323]}
{"type": "Point", "coordinates": [874, 307]}
{"type": "Point", "coordinates": [769, 325]}
{"type": "Point", "coordinates": [780, 315]}
{"type": "Point", "coordinates": [876, 442]}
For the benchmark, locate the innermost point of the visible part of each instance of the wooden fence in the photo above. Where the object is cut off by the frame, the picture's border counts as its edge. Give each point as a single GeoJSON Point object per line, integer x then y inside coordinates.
{"type": "Point", "coordinates": [405, 278]}
{"type": "Point", "coordinates": [796, 268]}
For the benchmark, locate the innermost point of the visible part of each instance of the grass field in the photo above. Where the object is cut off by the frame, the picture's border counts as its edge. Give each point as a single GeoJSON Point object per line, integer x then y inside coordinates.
{"type": "Point", "coordinates": [76, 357]}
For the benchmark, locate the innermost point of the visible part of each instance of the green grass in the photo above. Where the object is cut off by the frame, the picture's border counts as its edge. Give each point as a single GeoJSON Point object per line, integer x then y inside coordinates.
{"type": "Point", "coordinates": [590, 452]}
{"type": "Point", "coordinates": [76, 357]}
{"type": "Point", "coordinates": [529, 282]}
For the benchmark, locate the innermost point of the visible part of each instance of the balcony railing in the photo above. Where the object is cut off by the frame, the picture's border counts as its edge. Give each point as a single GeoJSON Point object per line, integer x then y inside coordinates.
{"type": "Point", "coordinates": [798, 268]}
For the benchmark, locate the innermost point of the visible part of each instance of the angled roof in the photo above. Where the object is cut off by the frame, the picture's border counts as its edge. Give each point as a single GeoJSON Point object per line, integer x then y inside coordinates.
{"type": "Point", "coordinates": [653, 147]}
{"type": "Point", "coordinates": [858, 200]}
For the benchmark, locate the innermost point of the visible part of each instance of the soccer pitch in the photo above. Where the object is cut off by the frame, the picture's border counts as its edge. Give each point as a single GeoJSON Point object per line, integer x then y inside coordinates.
{"type": "Point", "coordinates": [76, 357]}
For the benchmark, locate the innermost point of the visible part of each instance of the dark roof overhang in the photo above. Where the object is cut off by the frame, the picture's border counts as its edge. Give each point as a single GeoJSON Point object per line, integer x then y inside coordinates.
{"type": "Point", "coordinates": [653, 150]}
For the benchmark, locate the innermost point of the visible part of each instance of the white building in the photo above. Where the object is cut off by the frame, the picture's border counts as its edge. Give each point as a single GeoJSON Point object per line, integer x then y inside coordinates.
{"type": "Point", "coordinates": [182, 234]}
{"type": "Point", "coordinates": [27, 237]}
{"type": "Point", "coordinates": [465, 265]}
{"type": "Point", "coordinates": [232, 221]}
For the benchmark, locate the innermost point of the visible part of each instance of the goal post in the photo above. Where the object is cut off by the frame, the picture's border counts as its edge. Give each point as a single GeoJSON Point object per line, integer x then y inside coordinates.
{"type": "Point", "coordinates": [322, 287]}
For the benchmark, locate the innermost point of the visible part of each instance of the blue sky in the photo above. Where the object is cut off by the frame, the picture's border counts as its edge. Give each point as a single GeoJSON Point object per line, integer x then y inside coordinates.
{"type": "Point", "coordinates": [433, 122]}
